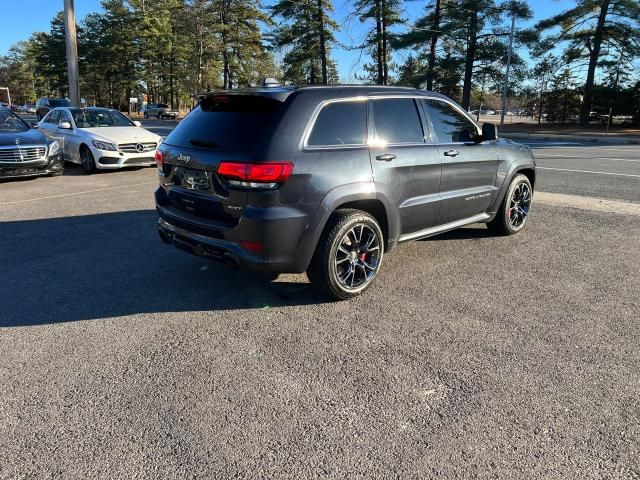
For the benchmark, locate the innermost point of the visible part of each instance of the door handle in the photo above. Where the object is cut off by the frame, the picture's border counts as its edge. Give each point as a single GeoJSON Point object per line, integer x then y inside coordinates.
{"type": "Point", "coordinates": [386, 157]}
{"type": "Point", "coordinates": [451, 153]}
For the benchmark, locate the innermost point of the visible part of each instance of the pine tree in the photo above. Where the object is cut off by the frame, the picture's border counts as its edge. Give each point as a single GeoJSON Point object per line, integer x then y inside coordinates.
{"type": "Point", "coordinates": [382, 15]}
{"type": "Point", "coordinates": [306, 33]}
{"type": "Point", "coordinates": [590, 31]}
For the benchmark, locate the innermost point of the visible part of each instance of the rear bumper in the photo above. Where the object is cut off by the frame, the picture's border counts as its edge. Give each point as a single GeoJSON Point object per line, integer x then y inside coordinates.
{"type": "Point", "coordinates": [285, 236]}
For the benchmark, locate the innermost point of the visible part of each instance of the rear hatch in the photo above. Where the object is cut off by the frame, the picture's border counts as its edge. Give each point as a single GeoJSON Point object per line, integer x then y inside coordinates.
{"type": "Point", "coordinates": [223, 128]}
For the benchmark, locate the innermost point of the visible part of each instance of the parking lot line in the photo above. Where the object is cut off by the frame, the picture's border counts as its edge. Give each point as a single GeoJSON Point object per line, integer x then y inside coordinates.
{"type": "Point", "coordinates": [589, 171]}
{"type": "Point", "coordinates": [559, 157]}
{"type": "Point", "coordinates": [78, 193]}
{"type": "Point", "coordinates": [587, 203]}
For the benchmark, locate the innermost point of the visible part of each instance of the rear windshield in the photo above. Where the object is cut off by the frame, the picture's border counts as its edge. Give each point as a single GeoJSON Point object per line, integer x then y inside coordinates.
{"type": "Point", "coordinates": [59, 102]}
{"type": "Point", "coordinates": [225, 122]}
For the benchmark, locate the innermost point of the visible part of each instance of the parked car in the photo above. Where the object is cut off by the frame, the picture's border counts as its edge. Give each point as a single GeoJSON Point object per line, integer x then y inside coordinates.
{"type": "Point", "coordinates": [100, 138]}
{"type": "Point", "coordinates": [28, 108]}
{"type": "Point", "coordinates": [44, 105]}
{"type": "Point", "coordinates": [328, 180]}
{"type": "Point", "coordinates": [25, 152]}
{"type": "Point", "coordinates": [159, 110]}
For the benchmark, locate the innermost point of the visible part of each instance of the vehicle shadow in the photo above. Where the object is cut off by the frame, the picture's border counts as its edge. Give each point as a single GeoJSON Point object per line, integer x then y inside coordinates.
{"type": "Point", "coordinates": [110, 265]}
{"type": "Point", "coordinates": [472, 232]}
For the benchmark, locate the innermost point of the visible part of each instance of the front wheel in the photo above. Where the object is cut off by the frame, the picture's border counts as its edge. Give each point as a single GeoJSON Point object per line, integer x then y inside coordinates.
{"type": "Point", "coordinates": [88, 162]}
{"type": "Point", "coordinates": [514, 210]}
{"type": "Point", "coordinates": [348, 255]}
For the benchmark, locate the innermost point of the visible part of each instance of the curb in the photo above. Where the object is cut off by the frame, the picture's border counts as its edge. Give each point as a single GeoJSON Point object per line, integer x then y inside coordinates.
{"type": "Point", "coordinates": [574, 138]}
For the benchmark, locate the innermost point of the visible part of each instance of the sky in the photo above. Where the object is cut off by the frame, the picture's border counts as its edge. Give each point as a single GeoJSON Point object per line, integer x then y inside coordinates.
{"type": "Point", "coordinates": [21, 18]}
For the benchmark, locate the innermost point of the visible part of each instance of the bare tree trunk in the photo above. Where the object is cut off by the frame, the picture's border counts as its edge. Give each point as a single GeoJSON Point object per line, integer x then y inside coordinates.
{"type": "Point", "coordinates": [171, 83]}
{"type": "Point", "coordinates": [379, 43]}
{"type": "Point", "coordinates": [594, 53]}
{"type": "Point", "coordinates": [312, 73]}
{"type": "Point", "coordinates": [469, 60]}
{"type": "Point", "coordinates": [434, 43]}
{"type": "Point", "coordinates": [225, 69]}
{"type": "Point", "coordinates": [385, 63]}
{"type": "Point", "coordinates": [323, 47]}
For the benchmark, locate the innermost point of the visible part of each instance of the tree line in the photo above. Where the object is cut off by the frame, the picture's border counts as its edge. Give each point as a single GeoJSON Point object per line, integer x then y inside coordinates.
{"type": "Point", "coordinates": [171, 50]}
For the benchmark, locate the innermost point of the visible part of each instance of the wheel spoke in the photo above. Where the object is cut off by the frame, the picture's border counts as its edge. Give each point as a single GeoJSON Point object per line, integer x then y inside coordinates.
{"type": "Point", "coordinates": [365, 265]}
{"type": "Point", "coordinates": [357, 255]}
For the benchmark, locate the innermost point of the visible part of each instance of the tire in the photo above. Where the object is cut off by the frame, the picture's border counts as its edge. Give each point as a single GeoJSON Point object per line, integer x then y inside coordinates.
{"type": "Point", "coordinates": [348, 255]}
{"type": "Point", "coordinates": [88, 162]}
{"type": "Point", "coordinates": [514, 210]}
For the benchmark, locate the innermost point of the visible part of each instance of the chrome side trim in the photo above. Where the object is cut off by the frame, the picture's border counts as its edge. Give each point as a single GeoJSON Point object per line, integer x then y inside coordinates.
{"type": "Point", "coordinates": [443, 228]}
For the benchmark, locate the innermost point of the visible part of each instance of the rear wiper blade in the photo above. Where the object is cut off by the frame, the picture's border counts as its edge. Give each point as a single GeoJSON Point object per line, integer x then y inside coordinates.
{"type": "Point", "coordinates": [203, 143]}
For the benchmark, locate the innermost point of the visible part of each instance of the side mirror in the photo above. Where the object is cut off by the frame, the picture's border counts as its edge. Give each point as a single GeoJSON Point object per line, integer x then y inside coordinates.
{"type": "Point", "coordinates": [64, 125]}
{"type": "Point", "coordinates": [34, 125]}
{"type": "Point", "coordinates": [489, 131]}
{"type": "Point", "coordinates": [137, 123]}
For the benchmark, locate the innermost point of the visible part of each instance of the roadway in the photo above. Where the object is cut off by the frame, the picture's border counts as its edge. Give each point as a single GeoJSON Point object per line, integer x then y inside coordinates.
{"type": "Point", "coordinates": [472, 356]}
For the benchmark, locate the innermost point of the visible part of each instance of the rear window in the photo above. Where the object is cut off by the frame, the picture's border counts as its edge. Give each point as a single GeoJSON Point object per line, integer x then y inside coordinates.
{"type": "Point", "coordinates": [162, 105]}
{"type": "Point", "coordinates": [59, 102]}
{"type": "Point", "coordinates": [225, 122]}
{"type": "Point", "coordinates": [340, 123]}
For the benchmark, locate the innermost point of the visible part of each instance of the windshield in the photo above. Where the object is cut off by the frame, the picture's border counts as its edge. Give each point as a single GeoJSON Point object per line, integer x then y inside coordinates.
{"type": "Point", "coordinates": [9, 123]}
{"type": "Point", "coordinates": [59, 102]}
{"type": "Point", "coordinates": [99, 118]}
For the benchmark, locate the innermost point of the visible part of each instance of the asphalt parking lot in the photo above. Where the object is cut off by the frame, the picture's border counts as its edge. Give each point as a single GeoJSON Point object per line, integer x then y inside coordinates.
{"type": "Point", "coordinates": [472, 356]}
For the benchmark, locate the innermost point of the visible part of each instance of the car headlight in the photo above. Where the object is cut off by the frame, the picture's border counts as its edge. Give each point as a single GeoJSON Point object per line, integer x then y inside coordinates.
{"type": "Point", "coordinates": [54, 148]}
{"type": "Point", "coordinates": [104, 146]}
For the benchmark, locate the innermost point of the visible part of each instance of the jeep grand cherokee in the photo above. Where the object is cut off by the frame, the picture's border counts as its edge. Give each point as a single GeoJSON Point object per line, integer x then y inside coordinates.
{"type": "Point", "coordinates": [328, 180]}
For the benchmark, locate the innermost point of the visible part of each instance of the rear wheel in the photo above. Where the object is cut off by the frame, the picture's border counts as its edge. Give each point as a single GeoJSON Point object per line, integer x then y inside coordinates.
{"type": "Point", "coordinates": [514, 211]}
{"type": "Point", "coordinates": [348, 255]}
{"type": "Point", "coordinates": [88, 162]}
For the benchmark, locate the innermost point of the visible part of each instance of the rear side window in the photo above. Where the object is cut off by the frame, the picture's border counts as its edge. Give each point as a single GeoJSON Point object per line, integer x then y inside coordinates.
{"type": "Point", "coordinates": [397, 120]}
{"type": "Point", "coordinates": [449, 125]}
{"type": "Point", "coordinates": [340, 123]}
{"type": "Point", "coordinates": [225, 122]}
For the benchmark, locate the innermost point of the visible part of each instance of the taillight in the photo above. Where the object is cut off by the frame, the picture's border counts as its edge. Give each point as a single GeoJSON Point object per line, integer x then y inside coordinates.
{"type": "Point", "coordinates": [160, 160]}
{"type": "Point", "coordinates": [255, 175]}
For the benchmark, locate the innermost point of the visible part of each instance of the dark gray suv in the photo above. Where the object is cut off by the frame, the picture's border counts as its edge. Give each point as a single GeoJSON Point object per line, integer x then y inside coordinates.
{"type": "Point", "coordinates": [327, 180]}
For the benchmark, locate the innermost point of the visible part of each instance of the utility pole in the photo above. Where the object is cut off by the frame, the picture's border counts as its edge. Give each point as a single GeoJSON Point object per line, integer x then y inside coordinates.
{"type": "Point", "coordinates": [72, 52]}
{"type": "Point", "coordinates": [506, 77]}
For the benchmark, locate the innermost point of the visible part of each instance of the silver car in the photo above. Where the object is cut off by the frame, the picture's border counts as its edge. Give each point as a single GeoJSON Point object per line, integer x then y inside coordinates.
{"type": "Point", "coordinates": [100, 138]}
{"type": "Point", "coordinates": [159, 110]}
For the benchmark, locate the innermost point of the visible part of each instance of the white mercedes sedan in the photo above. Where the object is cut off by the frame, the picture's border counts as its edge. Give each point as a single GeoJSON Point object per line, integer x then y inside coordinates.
{"type": "Point", "coordinates": [100, 138]}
